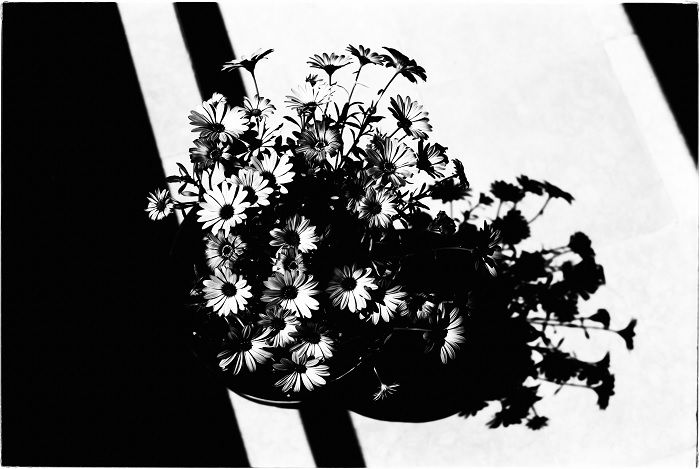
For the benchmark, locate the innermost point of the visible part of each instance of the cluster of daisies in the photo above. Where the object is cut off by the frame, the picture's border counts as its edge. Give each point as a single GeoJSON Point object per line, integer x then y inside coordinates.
{"type": "Point", "coordinates": [315, 245]}
{"type": "Point", "coordinates": [250, 167]}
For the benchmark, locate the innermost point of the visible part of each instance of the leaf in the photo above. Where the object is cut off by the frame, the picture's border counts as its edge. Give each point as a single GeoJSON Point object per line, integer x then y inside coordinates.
{"type": "Point", "coordinates": [171, 179]}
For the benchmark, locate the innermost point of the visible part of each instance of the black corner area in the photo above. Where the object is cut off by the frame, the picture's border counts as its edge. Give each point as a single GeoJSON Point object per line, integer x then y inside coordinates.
{"type": "Point", "coordinates": [669, 34]}
{"type": "Point", "coordinates": [94, 367]}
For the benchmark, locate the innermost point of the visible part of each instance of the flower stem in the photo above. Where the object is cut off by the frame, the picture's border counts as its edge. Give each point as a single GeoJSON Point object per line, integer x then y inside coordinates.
{"type": "Point", "coordinates": [541, 210]}
{"type": "Point", "coordinates": [255, 81]}
{"type": "Point", "coordinates": [421, 329]}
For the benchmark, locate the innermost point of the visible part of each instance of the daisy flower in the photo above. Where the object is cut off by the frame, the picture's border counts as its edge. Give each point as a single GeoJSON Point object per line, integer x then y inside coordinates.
{"type": "Point", "coordinates": [292, 290]}
{"type": "Point", "coordinates": [411, 117]}
{"type": "Point", "coordinates": [252, 182]}
{"type": "Point", "coordinates": [300, 371]}
{"type": "Point", "coordinates": [223, 207]}
{"type": "Point", "coordinates": [447, 333]}
{"type": "Point", "coordinates": [319, 142]}
{"type": "Point", "coordinates": [431, 159]}
{"type": "Point", "coordinates": [365, 56]}
{"type": "Point", "coordinates": [298, 233]}
{"type": "Point", "coordinates": [226, 292]}
{"type": "Point", "coordinates": [350, 287]}
{"type": "Point", "coordinates": [257, 108]}
{"type": "Point", "coordinates": [328, 63]}
{"type": "Point", "coordinates": [261, 142]}
{"type": "Point", "coordinates": [208, 152]}
{"type": "Point", "coordinates": [243, 348]}
{"type": "Point", "coordinates": [160, 204]}
{"type": "Point", "coordinates": [392, 162]}
{"type": "Point", "coordinates": [289, 260]}
{"type": "Point", "coordinates": [419, 306]}
{"type": "Point", "coordinates": [404, 66]}
{"type": "Point", "coordinates": [385, 390]}
{"type": "Point", "coordinates": [246, 61]}
{"type": "Point", "coordinates": [377, 207]}
{"type": "Point", "coordinates": [386, 302]}
{"type": "Point", "coordinates": [276, 169]}
{"type": "Point", "coordinates": [278, 323]}
{"type": "Point", "coordinates": [222, 250]}
{"type": "Point", "coordinates": [306, 98]}
{"type": "Point", "coordinates": [355, 189]}
{"type": "Point", "coordinates": [313, 340]}
{"type": "Point", "coordinates": [218, 120]}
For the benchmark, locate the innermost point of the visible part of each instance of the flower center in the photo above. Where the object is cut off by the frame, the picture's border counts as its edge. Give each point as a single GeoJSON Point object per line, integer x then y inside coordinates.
{"type": "Point", "coordinates": [216, 153]}
{"type": "Point", "coordinates": [373, 207]}
{"type": "Point", "coordinates": [160, 205]}
{"type": "Point", "coordinates": [321, 145]}
{"type": "Point", "coordinates": [278, 324]}
{"type": "Point", "coordinates": [348, 284]}
{"type": "Point", "coordinates": [255, 112]}
{"type": "Point", "coordinates": [227, 251]}
{"type": "Point", "coordinates": [288, 292]}
{"type": "Point", "coordinates": [293, 265]}
{"type": "Point", "coordinates": [245, 345]}
{"type": "Point", "coordinates": [218, 127]}
{"type": "Point", "coordinates": [300, 369]}
{"type": "Point", "coordinates": [404, 123]}
{"type": "Point", "coordinates": [313, 337]}
{"type": "Point", "coordinates": [292, 238]}
{"type": "Point", "coordinates": [226, 212]}
{"type": "Point", "coordinates": [228, 289]}
{"type": "Point", "coordinates": [388, 167]}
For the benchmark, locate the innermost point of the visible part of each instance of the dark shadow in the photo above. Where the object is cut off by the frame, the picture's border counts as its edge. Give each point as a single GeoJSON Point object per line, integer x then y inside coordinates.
{"type": "Point", "coordinates": [669, 34]}
{"type": "Point", "coordinates": [95, 371]}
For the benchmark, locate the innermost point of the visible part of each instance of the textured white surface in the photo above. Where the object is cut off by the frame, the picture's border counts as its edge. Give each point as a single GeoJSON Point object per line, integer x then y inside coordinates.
{"type": "Point", "coordinates": [557, 92]}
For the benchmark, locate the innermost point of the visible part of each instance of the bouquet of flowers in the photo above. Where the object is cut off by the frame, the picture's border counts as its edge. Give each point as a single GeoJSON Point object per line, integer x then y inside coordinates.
{"type": "Point", "coordinates": [319, 268]}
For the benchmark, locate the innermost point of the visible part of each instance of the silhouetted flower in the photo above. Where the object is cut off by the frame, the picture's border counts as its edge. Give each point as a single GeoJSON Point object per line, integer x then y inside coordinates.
{"type": "Point", "coordinates": [530, 185]}
{"type": "Point", "coordinates": [365, 56]}
{"type": "Point", "coordinates": [507, 192]}
{"type": "Point", "coordinates": [513, 227]}
{"type": "Point", "coordinates": [584, 277]}
{"type": "Point", "coordinates": [448, 190]}
{"type": "Point", "coordinates": [328, 63]}
{"type": "Point", "coordinates": [410, 117]}
{"type": "Point", "coordinates": [537, 422]}
{"type": "Point", "coordinates": [581, 245]}
{"type": "Point", "coordinates": [605, 390]}
{"type": "Point", "coordinates": [602, 316]}
{"type": "Point", "coordinates": [431, 158]}
{"type": "Point", "coordinates": [247, 61]}
{"type": "Point", "coordinates": [485, 200]}
{"type": "Point", "coordinates": [556, 193]}
{"type": "Point", "coordinates": [627, 334]}
{"type": "Point", "coordinates": [405, 66]}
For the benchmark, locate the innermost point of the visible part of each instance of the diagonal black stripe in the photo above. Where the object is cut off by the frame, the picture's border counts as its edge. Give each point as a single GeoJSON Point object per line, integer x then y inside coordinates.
{"type": "Point", "coordinates": [331, 436]}
{"type": "Point", "coordinates": [93, 369]}
{"type": "Point", "coordinates": [207, 42]}
{"type": "Point", "coordinates": [329, 430]}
